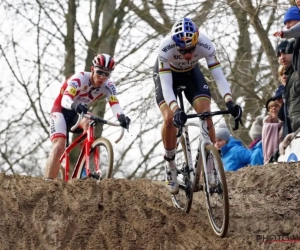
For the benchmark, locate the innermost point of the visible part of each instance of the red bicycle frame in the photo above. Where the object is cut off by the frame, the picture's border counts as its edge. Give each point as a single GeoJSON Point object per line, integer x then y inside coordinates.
{"type": "Point", "coordinates": [88, 137]}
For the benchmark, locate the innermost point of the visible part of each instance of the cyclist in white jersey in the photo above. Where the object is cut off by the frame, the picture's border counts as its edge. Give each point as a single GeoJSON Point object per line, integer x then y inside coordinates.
{"type": "Point", "coordinates": [177, 64]}
{"type": "Point", "coordinates": [78, 91]}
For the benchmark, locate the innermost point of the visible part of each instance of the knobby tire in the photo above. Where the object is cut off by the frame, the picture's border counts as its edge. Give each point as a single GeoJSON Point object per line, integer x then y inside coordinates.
{"type": "Point", "coordinates": [106, 166]}
{"type": "Point", "coordinates": [221, 192]}
{"type": "Point", "coordinates": [183, 200]}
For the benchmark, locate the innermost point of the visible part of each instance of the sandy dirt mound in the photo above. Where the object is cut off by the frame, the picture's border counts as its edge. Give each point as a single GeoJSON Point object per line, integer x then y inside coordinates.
{"type": "Point", "coordinates": [136, 215]}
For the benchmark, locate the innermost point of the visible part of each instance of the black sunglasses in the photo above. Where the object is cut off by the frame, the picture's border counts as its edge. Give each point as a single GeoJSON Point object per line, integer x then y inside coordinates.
{"type": "Point", "coordinates": [185, 51]}
{"type": "Point", "coordinates": [102, 73]}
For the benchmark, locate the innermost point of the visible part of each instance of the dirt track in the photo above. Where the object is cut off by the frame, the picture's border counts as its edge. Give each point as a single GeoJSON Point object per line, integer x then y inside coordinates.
{"type": "Point", "coordinates": [136, 215]}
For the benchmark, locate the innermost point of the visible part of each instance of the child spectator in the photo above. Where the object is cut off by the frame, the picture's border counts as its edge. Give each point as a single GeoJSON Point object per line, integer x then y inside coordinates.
{"type": "Point", "coordinates": [255, 132]}
{"type": "Point", "coordinates": [233, 154]}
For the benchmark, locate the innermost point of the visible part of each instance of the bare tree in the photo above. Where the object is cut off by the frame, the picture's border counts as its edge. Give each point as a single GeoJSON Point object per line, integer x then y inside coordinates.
{"type": "Point", "coordinates": [43, 43]}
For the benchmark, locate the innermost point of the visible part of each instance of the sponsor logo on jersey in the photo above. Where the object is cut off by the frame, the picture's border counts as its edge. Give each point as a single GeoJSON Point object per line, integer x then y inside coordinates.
{"type": "Point", "coordinates": [72, 91]}
{"type": "Point", "coordinates": [74, 84]}
{"type": "Point", "coordinates": [183, 65]}
{"type": "Point", "coordinates": [168, 47]}
{"type": "Point", "coordinates": [84, 100]}
{"type": "Point", "coordinates": [111, 88]}
{"type": "Point", "coordinates": [113, 100]}
{"type": "Point", "coordinates": [178, 57]}
{"type": "Point", "coordinates": [204, 45]}
{"type": "Point", "coordinates": [52, 124]}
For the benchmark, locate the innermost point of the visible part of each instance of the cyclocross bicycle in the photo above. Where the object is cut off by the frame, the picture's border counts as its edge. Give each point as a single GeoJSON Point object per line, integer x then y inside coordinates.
{"type": "Point", "coordinates": [207, 161]}
{"type": "Point", "coordinates": [96, 155]}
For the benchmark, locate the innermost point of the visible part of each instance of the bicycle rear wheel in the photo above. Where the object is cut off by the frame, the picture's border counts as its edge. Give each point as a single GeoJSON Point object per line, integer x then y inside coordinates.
{"type": "Point", "coordinates": [101, 161]}
{"type": "Point", "coordinates": [183, 200]}
{"type": "Point", "coordinates": [216, 194]}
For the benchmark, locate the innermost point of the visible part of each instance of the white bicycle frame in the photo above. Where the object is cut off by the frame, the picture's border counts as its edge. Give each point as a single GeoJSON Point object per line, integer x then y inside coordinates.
{"type": "Point", "coordinates": [204, 139]}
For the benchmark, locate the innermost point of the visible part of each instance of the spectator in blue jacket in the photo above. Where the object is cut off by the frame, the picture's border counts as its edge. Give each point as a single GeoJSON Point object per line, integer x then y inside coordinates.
{"type": "Point", "coordinates": [255, 132]}
{"type": "Point", "coordinates": [233, 154]}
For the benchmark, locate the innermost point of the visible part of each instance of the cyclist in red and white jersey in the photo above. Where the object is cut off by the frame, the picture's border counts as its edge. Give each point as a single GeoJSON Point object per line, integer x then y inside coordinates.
{"type": "Point", "coordinates": [75, 94]}
{"type": "Point", "coordinates": [177, 65]}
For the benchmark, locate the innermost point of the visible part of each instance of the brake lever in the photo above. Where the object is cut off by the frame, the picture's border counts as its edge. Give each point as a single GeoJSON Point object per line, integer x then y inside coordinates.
{"type": "Point", "coordinates": [237, 122]}
{"type": "Point", "coordinates": [241, 122]}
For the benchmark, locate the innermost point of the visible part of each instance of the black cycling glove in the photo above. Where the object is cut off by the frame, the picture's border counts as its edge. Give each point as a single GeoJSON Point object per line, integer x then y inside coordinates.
{"type": "Point", "coordinates": [124, 121]}
{"type": "Point", "coordinates": [79, 108]}
{"type": "Point", "coordinates": [179, 118]}
{"type": "Point", "coordinates": [235, 110]}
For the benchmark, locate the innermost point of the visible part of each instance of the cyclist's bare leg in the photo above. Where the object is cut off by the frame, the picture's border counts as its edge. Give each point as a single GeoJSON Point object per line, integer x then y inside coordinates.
{"type": "Point", "coordinates": [52, 165]}
{"type": "Point", "coordinates": [168, 133]}
{"type": "Point", "coordinates": [203, 105]}
{"type": "Point", "coordinates": [168, 130]}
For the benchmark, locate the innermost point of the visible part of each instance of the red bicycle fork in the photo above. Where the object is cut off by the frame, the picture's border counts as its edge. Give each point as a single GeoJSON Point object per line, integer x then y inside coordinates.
{"type": "Point", "coordinates": [87, 138]}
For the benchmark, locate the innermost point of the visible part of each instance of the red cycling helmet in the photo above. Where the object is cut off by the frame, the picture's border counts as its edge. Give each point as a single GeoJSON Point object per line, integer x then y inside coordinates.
{"type": "Point", "coordinates": [104, 61]}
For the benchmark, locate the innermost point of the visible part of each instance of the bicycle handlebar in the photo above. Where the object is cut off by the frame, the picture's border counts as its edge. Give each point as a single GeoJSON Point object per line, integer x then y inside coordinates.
{"type": "Point", "coordinates": [100, 120]}
{"type": "Point", "coordinates": [205, 115]}
{"type": "Point", "coordinates": [80, 116]}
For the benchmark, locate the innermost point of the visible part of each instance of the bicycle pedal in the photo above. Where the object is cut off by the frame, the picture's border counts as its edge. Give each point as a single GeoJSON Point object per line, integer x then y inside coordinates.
{"type": "Point", "coordinates": [95, 176]}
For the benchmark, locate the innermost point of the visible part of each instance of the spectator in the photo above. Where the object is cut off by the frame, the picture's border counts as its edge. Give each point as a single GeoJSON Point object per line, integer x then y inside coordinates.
{"type": "Point", "coordinates": [293, 31]}
{"type": "Point", "coordinates": [281, 75]}
{"type": "Point", "coordinates": [271, 132]}
{"type": "Point", "coordinates": [255, 132]}
{"type": "Point", "coordinates": [233, 154]}
{"type": "Point", "coordinates": [284, 52]}
{"type": "Point", "coordinates": [277, 96]}
{"type": "Point", "coordinates": [292, 89]}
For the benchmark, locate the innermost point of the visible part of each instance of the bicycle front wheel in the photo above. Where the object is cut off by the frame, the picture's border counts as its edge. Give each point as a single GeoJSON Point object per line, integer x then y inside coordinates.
{"type": "Point", "coordinates": [100, 162]}
{"type": "Point", "coordinates": [183, 200]}
{"type": "Point", "coordinates": [216, 192]}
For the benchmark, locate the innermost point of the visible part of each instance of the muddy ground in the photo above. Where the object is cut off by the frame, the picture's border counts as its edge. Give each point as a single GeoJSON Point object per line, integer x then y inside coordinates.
{"type": "Point", "coordinates": [135, 215]}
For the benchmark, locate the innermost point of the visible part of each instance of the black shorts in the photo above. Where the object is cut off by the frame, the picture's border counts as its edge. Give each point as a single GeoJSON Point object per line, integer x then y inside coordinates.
{"type": "Point", "coordinates": [71, 118]}
{"type": "Point", "coordinates": [193, 80]}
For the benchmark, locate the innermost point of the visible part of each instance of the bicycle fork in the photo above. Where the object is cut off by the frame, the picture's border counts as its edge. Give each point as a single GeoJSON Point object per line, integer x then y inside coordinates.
{"type": "Point", "coordinates": [204, 140]}
{"type": "Point", "coordinates": [189, 170]}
